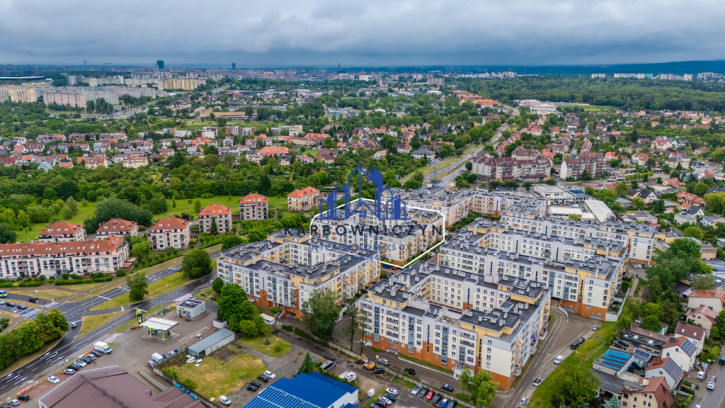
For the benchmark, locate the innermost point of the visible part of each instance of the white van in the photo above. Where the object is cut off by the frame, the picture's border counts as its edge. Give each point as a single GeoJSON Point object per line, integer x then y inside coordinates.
{"type": "Point", "coordinates": [701, 375]}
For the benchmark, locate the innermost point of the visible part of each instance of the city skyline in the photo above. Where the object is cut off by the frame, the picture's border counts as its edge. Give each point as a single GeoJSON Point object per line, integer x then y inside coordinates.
{"type": "Point", "coordinates": [325, 33]}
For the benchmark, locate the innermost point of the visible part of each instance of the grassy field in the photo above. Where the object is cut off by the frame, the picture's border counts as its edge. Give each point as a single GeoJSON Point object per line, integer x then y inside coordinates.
{"type": "Point", "coordinates": [278, 202]}
{"type": "Point", "coordinates": [187, 205]}
{"type": "Point", "coordinates": [32, 234]}
{"type": "Point", "coordinates": [590, 108]}
{"type": "Point", "coordinates": [156, 288]}
{"type": "Point", "coordinates": [583, 357]}
{"type": "Point", "coordinates": [93, 322]}
{"type": "Point", "coordinates": [46, 294]}
{"type": "Point", "coordinates": [215, 376]}
{"type": "Point", "coordinates": [276, 347]}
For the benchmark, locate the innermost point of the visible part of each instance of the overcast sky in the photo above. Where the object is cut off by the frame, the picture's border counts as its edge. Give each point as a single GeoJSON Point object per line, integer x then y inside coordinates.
{"type": "Point", "coordinates": [353, 32]}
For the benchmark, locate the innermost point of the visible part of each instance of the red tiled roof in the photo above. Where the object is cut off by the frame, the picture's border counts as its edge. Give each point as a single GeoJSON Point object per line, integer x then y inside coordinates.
{"type": "Point", "coordinates": [273, 150]}
{"type": "Point", "coordinates": [61, 228]}
{"type": "Point", "coordinates": [253, 199]}
{"type": "Point", "coordinates": [215, 209]}
{"type": "Point", "coordinates": [170, 223]}
{"type": "Point", "coordinates": [658, 386]}
{"type": "Point", "coordinates": [307, 191]}
{"type": "Point", "coordinates": [689, 330]}
{"type": "Point", "coordinates": [708, 293]}
{"type": "Point", "coordinates": [117, 225]}
{"type": "Point", "coordinates": [49, 248]}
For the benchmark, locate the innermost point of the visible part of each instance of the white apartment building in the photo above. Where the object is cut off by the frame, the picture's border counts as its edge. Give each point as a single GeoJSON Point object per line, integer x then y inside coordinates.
{"type": "Point", "coordinates": [169, 233]}
{"type": "Point", "coordinates": [286, 269]}
{"type": "Point", "coordinates": [457, 319]}
{"type": "Point", "coordinates": [53, 258]}
{"type": "Point", "coordinates": [253, 207]}
{"type": "Point", "coordinates": [219, 214]}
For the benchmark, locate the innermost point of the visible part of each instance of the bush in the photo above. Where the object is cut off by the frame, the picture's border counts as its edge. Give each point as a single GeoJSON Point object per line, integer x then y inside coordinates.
{"type": "Point", "coordinates": [287, 327]}
{"type": "Point", "coordinates": [121, 273]}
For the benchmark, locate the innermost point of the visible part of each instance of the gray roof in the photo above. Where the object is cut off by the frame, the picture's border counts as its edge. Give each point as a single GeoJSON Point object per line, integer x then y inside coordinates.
{"type": "Point", "coordinates": [210, 340]}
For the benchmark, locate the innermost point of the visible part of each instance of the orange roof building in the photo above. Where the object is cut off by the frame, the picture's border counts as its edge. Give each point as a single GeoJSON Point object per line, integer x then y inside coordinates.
{"type": "Point", "coordinates": [169, 232]}
{"type": "Point", "coordinates": [303, 199]}
{"type": "Point", "coordinates": [253, 207]}
{"type": "Point", "coordinates": [62, 231]}
{"type": "Point", "coordinates": [117, 227]}
{"type": "Point", "coordinates": [215, 214]}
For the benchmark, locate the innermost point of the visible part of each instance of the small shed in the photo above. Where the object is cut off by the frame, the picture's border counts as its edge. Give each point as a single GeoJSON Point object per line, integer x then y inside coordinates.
{"type": "Point", "coordinates": [211, 343]}
{"type": "Point", "coordinates": [190, 308]}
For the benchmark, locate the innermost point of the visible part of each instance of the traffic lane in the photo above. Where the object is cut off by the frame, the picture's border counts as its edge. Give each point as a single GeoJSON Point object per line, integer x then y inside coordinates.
{"type": "Point", "coordinates": [714, 398]}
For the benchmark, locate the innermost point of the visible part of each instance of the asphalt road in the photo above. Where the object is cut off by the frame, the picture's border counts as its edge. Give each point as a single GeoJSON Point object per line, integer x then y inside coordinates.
{"type": "Point", "coordinates": [69, 348]}
{"type": "Point", "coordinates": [716, 397]}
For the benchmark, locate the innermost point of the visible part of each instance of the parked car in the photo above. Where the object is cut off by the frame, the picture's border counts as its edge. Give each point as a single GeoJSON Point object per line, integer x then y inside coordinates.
{"type": "Point", "coordinates": [269, 374]}
{"type": "Point", "coordinates": [33, 299]}
{"type": "Point", "coordinates": [225, 400]}
{"type": "Point", "coordinates": [21, 307]}
{"type": "Point", "coordinates": [87, 360]}
{"type": "Point", "coordinates": [721, 360]}
{"type": "Point", "coordinates": [578, 342]}
{"type": "Point", "coordinates": [415, 390]}
{"type": "Point", "coordinates": [595, 328]}
{"type": "Point", "coordinates": [97, 353]}
{"type": "Point", "coordinates": [24, 398]}
{"type": "Point", "coordinates": [436, 398]}
{"type": "Point", "coordinates": [14, 403]}
{"type": "Point", "coordinates": [447, 387]}
{"type": "Point", "coordinates": [391, 390]}
{"type": "Point", "coordinates": [452, 404]}
{"type": "Point", "coordinates": [443, 403]}
{"type": "Point", "coordinates": [252, 387]}
{"type": "Point", "coordinates": [69, 371]}
{"type": "Point", "coordinates": [377, 370]}
{"type": "Point", "coordinates": [391, 397]}
{"type": "Point", "coordinates": [73, 325]}
{"type": "Point", "coordinates": [9, 304]}
{"type": "Point", "coordinates": [80, 362]}
{"type": "Point", "coordinates": [701, 375]}
{"type": "Point", "coordinates": [430, 395]}
{"type": "Point", "coordinates": [558, 359]}
{"type": "Point", "coordinates": [256, 383]}
{"type": "Point", "coordinates": [2, 302]}
{"type": "Point", "coordinates": [424, 392]}
{"type": "Point", "coordinates": [151, 363]}
{"type": "Point", "coordinates": [386, 401]}
{"type": "Point", "coordinates": [53, 379]}
{"type": "Point", "coordinates": [328, 365]}
{"type": "Point", "coordinates": [524, 401]}
{"type": "Point", "coordinates": [538, 381]}
{"type": "Point", "coordinates": [383, 361]}
{"type": "Point", "coordinates": [410, 371]}
{"type": "Point", "coordinates": [263, 378]}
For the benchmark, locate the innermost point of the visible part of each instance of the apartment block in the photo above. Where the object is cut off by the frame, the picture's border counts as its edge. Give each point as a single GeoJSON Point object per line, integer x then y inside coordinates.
{"type": "Point", "coordinates": [398, 241]}
{"type": "Point", "coordinates": [286, 269]}
{"type": "Point", "coordinates": [524, 164]}
{"type": "Point", "coordinates": [590, 162]}
{"type": "Point", "coordinates": [303, 199]}
{"type": "Point", "coordinates": [117, 227]}
{"type": "Point", "coordinates": [639, 238]}
{"type": "Point", "coordinates": [253, 207]}
{"type": "Point", "coordinates": [219, 214]}
{"type": "Point", "coordinates": [53, 258]}
{"type": "Point", "coordinates": [169, 233]}
{"type": "Point", "coordinates": [62, 231]}
{"type": "Point", "coordinates": [584, 274]}
{"type": "Point", "coordinates": [457, 319]}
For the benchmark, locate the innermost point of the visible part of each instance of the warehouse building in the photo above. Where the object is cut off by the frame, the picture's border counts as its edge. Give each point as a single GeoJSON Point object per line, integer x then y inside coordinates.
{"type": "Point", "coordinates": [211, 343]}
{"type": "Point", "coordinates": [312, 390]}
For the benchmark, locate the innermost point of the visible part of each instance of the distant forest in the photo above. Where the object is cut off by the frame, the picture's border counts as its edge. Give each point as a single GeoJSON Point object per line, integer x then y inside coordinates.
{"type": "Point", "coordinates": [630, 94]}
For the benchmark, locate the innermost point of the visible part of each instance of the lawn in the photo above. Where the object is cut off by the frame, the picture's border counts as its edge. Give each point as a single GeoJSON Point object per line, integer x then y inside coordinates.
{"type": "Point", "coordinates": [276, 347]}
{"type": "Point", "coordinates": [156, 288]}
{"type": "Point", "coordinates": [32, 234]}
{"type": "Point", "coordinates": [93, 322]}
{"type": "Point", "coordinates": [277, 202]}
{"type": "Point", "coordinates": [583, 357]}
{"type": "Point", "coordinates": [186, 205]}
{"type": "Point", "coordinates": [46, 294]}
{"type": "Point", "coordinates": [222, 373]}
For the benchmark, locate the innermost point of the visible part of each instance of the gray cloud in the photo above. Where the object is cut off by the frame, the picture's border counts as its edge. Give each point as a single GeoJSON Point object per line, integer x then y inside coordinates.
{"type": "Point", "coordinates": [385, 32]}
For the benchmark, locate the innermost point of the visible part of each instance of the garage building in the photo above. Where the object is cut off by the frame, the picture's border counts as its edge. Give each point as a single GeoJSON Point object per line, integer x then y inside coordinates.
{"type": "Point", "coordinates": [211, 343]}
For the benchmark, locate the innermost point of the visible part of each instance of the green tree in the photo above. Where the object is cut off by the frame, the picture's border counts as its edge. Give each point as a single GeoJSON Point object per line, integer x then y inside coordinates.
{"type": "Point", "coordinates": [196, 264]}
{"type": "Point", "coordinates": [612, 403]}
{"type": "Point", "coordinates": [197, 207]}
{"type": "Point", "coordinates": [351, 328]}
{"type": "Point", "coordinates": [638, 203]}
{"type": "Point", "coordinates": [22, 219]}
{"type": "Point", "coordinates": [116, 208]}
{"type": "Point", "coordinates": [217, 285]}
{"type": "Point", "coordinates": [469, 166]}
{"type": "Point", "coordinates": [694, 232]}
{"type": "Point", "coordinates": [580, 387]}
{"type": "Point", "coordinates": [137, 286]}
{"type": "Point", "coordinates": [307, 366]}
{"type": "Point", "coordinates": [481, 387]}
{"type": "Point", "coordinates": [141, 249]}
{"type": "Point", "coordinates": [213, 230]}
{"type": "Point", "coordinates": [72, 204]}
{"type": "Point", "coordinates": [7, 234]}
{"type": "Point", "coordinates": [320, 313]}
{"type": "Point", "coordinates": [230, 241]}
{"type": "Point", "coordinates": [703, 282]}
